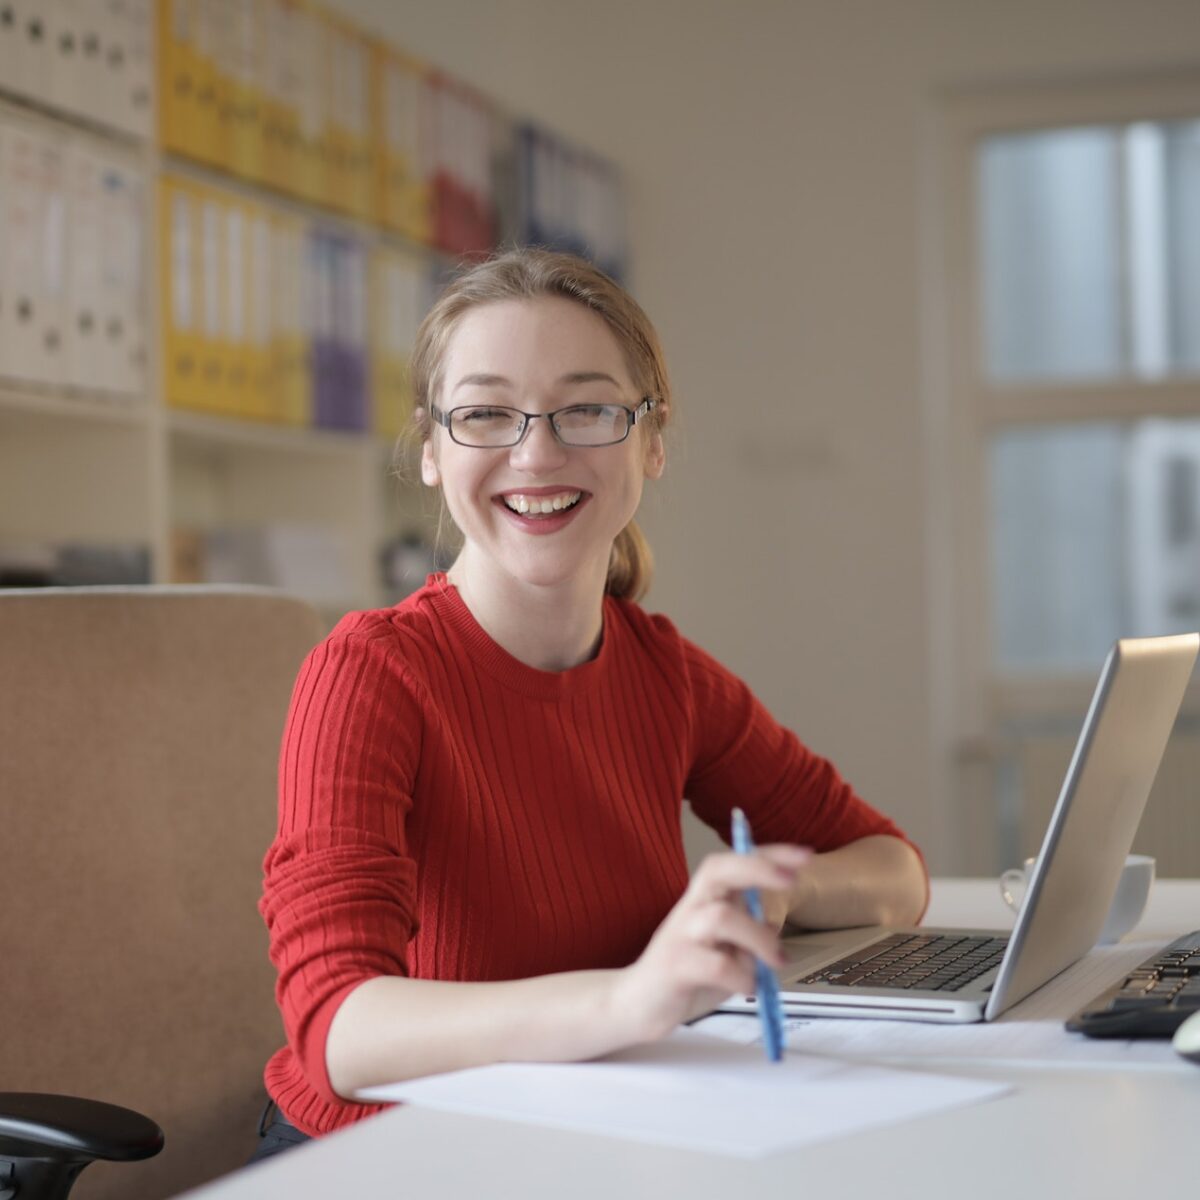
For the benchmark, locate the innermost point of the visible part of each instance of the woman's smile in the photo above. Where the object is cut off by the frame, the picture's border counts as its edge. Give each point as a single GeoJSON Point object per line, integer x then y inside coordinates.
{"type": "Point", "coordinates": [542, 510]}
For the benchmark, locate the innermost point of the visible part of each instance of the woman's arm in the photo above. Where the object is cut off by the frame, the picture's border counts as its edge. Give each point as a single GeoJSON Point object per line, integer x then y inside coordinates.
{"type": "Point", "coordinates": [876, 880]}
{"type": "Point", "coordinates": [864, 871]}
{"type": "Point", "coordinates": [391, 1028]}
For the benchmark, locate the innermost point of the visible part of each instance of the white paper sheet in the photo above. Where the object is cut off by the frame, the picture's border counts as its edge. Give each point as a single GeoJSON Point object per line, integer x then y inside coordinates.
{"type": "Point", "coordinates": [1030, 1034]}
{"type": "Point", "coordinates": [696, 1092]}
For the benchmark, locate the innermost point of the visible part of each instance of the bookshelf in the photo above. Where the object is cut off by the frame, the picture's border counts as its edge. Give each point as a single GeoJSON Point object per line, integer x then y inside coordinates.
{"type": "Point", "coordinates": [102, 451]}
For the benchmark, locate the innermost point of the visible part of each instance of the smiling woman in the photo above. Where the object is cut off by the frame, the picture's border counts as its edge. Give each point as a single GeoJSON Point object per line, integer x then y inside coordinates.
{"type": "Point", "coordinates": [480, 854]}
{"type": "Point", "coordinates": [536, 581]}
{"type": "Point", "coordinates": [630, 366]}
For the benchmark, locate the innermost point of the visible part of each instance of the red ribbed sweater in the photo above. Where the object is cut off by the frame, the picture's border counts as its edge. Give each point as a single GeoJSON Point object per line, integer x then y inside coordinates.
{"type": "Point", "coordinates": [447, 812]}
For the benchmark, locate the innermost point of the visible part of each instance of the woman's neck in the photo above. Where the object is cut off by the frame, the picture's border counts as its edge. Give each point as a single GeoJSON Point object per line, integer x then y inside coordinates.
{"type": "Point", "coordinates": [550, 628]}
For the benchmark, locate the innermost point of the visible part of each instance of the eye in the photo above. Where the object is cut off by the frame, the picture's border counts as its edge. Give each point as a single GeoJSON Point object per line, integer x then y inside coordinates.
{"type": "Point", "coordinates": [588, 414]}
{"type": "Point", "coordinates": [483, 415]}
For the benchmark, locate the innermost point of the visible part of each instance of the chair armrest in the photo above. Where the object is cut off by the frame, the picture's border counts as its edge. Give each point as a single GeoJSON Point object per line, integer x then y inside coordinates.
{"type": "Point", "coordinates": [44, 1125]}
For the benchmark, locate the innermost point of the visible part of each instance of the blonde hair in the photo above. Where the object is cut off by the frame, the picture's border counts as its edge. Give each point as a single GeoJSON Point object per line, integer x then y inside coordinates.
{"type": "Point", "coordinates": [526, 275]}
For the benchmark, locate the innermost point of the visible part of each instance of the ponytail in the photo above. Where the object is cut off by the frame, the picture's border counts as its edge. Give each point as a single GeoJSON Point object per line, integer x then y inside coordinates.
{"type": "Point", "coordinates": [630, 565]}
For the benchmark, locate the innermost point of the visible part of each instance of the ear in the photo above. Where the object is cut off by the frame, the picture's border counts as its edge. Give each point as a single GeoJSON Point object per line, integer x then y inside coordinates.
{"type": "Point", "coordinates": [656, 456]}
{"type": "Point", "coordinates": [430, 475]}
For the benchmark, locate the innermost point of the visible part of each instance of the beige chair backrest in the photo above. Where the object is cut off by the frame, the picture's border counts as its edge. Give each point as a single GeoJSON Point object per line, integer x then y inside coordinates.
{"type": "Point", "coordinates": [139, 737]}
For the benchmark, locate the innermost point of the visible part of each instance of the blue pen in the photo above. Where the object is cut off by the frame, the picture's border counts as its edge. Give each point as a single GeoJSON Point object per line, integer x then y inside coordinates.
{"type": "Point", "coordinates": [770, 1011]}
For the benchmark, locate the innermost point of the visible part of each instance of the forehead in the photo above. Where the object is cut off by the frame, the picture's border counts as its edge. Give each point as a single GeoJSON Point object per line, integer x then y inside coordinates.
{"type": "Point", "coordinates": [533, 340]}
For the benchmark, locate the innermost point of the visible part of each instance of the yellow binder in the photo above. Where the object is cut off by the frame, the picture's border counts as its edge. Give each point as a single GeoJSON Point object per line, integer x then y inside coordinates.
{"type": "Point", "coordinates": [244, 91]}
{"type": "Point", "coordinates": [311, 68]}
{"type": "Point", "coordinates": [349, 162]}
{"type": "Point", "coordinates": [291, 397]}
{"type": "Point", "coordinates": [181, 75]}
{"type": "Point", "coordinates": [180, 293]}
{"type": "Point", "coordinates": [398, 300]}
{"type": "Point", "coordinates": [209, 135]}
{"type": "Point", "coordinates": [236, 266]}
{"type": "Point", "coordinates": [402, 111]}
{"type": "Point", "coordinates": [280, 116]}
{"type": "Point", "coordinates": [258, 342]}
{"type": "Point", "coordinates": [214, 315]}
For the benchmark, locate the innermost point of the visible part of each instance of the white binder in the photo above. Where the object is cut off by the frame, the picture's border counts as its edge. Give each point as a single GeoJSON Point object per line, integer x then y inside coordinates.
{"type": "Point", "coordinates": [66, 52]}
{"type": "Point", "coordinates": [30, 58]}
{"type": "Point", "coordinates": [8, 44]}
{"type": "Point", "coordinates": [123, 264]}
{"type": "Point", "coordinates": [106, 65]}
{"type": "Point", "coordinates": [85, 87]}
{"type": "Point", "coordinates": [136, 113]}
{"type": "Point", "coordinates": [6, 297]}
{"type": "Point", "coordinates": [34, 221]}
{"type": "Point", "coordinates": [83, 336]}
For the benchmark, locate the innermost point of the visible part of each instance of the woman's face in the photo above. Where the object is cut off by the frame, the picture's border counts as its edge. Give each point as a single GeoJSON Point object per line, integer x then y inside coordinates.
{"type": "Point", "coordinates": [539, 355]}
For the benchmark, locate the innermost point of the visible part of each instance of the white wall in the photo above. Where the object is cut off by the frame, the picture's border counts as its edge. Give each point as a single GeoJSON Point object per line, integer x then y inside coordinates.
{"type": "Point", "coordinates": [772, 156]}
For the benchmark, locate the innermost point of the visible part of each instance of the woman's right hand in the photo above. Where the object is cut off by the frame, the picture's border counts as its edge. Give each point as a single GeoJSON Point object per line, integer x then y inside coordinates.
{"type": "Point", "coordinates": [704, 950]}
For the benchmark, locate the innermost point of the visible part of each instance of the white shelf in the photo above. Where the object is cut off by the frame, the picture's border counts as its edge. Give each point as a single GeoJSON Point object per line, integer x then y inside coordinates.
{"type": "Point", "coordinates": [82, 466]}
{"type": "Point", "coordinates": [57, 404]}
{"type": "Point", "coordinates": [19, 105]}
{"type": "Point", "coordinates": [203, 429]}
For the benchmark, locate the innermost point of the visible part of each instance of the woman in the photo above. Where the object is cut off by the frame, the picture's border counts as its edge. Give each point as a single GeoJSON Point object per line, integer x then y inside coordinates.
{"type": "Point", "coordinates": [479, 854]}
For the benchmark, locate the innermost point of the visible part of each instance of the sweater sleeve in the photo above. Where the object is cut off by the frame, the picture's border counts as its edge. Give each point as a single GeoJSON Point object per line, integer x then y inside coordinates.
{"type": "Point", "coordinates": [339, 888]}
{"type": "Point", "coordinates": [742, 756]}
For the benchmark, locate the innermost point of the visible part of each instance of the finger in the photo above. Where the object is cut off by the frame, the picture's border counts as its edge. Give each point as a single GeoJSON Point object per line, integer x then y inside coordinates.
{"type": "Point", "coordinates": [736, 974]}
{"type": "Point", "coordinates": [728, 925]}
{"type": "Point", "coordinates": [724, 971]}
{"type": "Point", "coordinates": [720, 875]}
{"type": "Point", "coordinates": [786, 854]}
{"type": "Point", "coordinates": [775, 908]}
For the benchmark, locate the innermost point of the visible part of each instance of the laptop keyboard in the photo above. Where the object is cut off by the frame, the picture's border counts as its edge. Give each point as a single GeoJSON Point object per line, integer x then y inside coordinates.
{"type": "Point", "coordinates": [1153, 1000]}
{"type": "Point", "coordinates": [937, 962]}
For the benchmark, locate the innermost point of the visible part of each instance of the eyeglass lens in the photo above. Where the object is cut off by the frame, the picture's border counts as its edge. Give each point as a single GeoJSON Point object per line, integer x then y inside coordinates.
{"type": "Point", "coordinates": [580, 425]}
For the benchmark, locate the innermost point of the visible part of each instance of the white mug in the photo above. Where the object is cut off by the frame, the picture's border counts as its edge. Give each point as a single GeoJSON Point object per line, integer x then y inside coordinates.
{"type": "Point", "coordinates": [1129, 902]}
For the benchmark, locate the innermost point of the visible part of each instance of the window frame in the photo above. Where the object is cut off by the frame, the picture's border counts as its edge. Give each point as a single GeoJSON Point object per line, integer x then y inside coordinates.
{"type": "Point", "coordinates": [961, 409]}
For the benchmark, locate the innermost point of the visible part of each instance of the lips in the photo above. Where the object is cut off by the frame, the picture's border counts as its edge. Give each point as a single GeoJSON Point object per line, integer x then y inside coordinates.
{"type": "Point", "coordinates": [542, 509]}
{"type": "Point", "coordinates": [527, 503]}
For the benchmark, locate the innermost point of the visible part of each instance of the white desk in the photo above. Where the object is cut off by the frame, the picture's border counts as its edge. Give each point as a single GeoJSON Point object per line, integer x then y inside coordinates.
{"type": "Point", "coordinates": [1066, 1131]}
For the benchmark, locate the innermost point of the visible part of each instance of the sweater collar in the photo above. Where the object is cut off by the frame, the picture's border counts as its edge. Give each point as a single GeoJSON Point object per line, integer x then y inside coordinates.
{"type": "Point", "coordinates": [445, 600]}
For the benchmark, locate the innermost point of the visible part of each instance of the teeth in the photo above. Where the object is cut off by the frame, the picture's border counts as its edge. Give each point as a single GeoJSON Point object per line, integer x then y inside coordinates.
{"type": "Point", "coordinates": [541, 505]}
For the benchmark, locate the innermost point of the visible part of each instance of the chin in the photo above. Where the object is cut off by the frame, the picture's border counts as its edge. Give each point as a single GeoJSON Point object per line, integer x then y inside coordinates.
{"type": "Point", "coordinates": [548, 570]}
{"type": "Point", "coordinates": [544, 575]}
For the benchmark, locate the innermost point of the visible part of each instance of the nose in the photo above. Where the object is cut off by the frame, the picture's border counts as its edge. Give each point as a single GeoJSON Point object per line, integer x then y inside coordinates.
{"type": "Point", "coordinates": [539, 450]}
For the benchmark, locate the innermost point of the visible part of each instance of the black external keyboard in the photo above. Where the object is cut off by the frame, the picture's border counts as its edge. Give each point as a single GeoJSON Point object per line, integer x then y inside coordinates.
{"type": "Point", "coordinates": [1153, 1000]}
{"type": "Point", "coordinates": [929, 961]}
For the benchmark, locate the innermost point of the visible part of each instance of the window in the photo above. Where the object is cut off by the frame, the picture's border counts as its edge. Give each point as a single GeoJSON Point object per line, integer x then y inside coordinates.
{"type": "Point", "coordinates": [1095, 535]}
{"type": "Point", "coordinates": [1064, 439]}
{"type": "Point", "coordinates": [1090, 252]}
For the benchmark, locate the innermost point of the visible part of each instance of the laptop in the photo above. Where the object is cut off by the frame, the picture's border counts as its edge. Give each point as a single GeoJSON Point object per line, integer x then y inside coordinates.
{"type": "Point", "coordinates": [964, 975]}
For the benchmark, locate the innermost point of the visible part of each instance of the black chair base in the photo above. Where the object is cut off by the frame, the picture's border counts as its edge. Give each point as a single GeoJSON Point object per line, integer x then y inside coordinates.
{"type": "Point", "coordinates": [38, 1178]}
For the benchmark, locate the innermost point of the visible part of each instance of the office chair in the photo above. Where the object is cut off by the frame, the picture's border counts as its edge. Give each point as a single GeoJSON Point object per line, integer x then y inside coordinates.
{"type": "Point", "coordinates": [139, 737]}
{"type": "Point", "coordinates": [46, 1140]}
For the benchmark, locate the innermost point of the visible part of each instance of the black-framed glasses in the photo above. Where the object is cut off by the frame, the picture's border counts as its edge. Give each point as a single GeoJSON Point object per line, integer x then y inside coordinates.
{"type": "Point", "coordinates": [492, 426]}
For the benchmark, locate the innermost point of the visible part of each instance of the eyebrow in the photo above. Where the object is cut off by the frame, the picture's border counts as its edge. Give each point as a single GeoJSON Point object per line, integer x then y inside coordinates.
{"type": "Point", "coordinates": [485, 380]}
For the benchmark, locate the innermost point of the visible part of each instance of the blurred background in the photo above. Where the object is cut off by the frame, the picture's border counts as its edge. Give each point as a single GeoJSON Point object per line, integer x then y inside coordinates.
{"type": "Point", "coordinates": [927, 273]}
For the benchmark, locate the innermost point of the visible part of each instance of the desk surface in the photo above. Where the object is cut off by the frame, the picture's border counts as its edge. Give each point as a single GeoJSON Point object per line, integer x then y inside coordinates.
{"type": "Point", "coordinates": [1063, 1131]}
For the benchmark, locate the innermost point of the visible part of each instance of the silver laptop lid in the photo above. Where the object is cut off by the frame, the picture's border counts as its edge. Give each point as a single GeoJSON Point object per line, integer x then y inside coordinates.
{"type": "Point", "coordinates": [1091, 831]}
